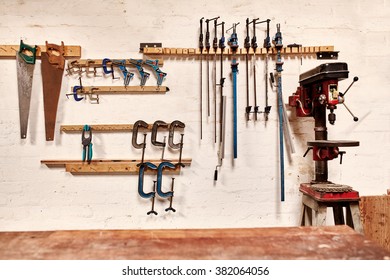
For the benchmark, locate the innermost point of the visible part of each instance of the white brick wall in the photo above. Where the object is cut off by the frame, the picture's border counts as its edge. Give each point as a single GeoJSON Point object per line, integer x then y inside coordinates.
{"type": "Point", "coordinates": [34, 197]}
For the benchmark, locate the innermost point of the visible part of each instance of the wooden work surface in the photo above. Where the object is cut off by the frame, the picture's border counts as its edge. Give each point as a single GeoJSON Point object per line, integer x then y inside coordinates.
{"type": "Point", "coordinates": [330, 242]}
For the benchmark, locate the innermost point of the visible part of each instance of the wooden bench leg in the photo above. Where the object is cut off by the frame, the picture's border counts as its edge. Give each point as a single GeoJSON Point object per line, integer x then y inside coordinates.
{"type": "Point", "coordinates": [338, 215]}
{"type": "Point", "coordinates": [320, 215]}
{"type": "Point", "coordinates": [307, 216]}
{"type": "Point", "coordinates": [302, 222]}
{"type": "Point", "coordinates": [353, 217]}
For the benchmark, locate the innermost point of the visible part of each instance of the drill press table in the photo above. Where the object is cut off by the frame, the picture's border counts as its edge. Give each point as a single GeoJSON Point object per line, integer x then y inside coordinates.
{"type": "Point", "coordinates": [328, 242]}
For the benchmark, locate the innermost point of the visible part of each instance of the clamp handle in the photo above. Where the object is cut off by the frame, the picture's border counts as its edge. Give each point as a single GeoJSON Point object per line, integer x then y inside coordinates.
{"type": "Point", "coordinates": [29, 59]}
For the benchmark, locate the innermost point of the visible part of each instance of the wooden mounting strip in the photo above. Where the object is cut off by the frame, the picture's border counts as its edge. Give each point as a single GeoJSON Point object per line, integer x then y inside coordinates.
{"type": "Point", "coordinates": [104, 127]}
{"type": "Point", "coordinates": [9, 51]}
{"type": "Point", "coordinates": [99, 62]}
{"type": "Point", "coordinates": [110, 166]}
{"type": "Point", "coordinates": [122, 90]}
{"type": "Point", "coordinates": [241, 51]}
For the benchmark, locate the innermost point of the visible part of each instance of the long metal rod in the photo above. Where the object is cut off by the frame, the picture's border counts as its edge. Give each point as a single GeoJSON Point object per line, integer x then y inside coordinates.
{"type": "Point", "coordinates": [215, 47]}
{"type": "Point", "coordinates": [247, 108]}
{"type": "Point", "coordinates": [235, 71]}
{"type": "Point", "coordinates": [233, 43]}
{"type": "Point", "coordinates": [267, 46]}
{"type": "Point", "coordinates": [266, 109]}
{"type": "Point", "coordinates": [281, 144]}
{"type": "Point", "coordinates": [287, 130]}
{"type": "Point", "coordinates": [208, 85]}
{"type": "Point", "coordinates": [279, 69]}
{"type": "Point", "coordinates": [201, 99]}
{"type": "Point", "coordinates": [221, 97]}
{"type": "Point", "coordinates": [247, 45]}
{"type": "Point", "coordinates": [255, 107]}
{"type": "Point", "coordinates": [201, 46]}
{"type": "Point", "coordinates": [208, 46]}
{"type": "Point", "coordinates": [215, 98]}
{"type": "Point", "coordinates": [254, 47]}
{"type": "Point", "coordinates": [221, 149]}
{"type": "Point", "coordinates": [222, 80]}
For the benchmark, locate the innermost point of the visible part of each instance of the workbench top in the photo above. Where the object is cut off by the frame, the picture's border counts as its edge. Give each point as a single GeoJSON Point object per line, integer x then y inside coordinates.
{"type": "Point", "coordinates": [330, 242]}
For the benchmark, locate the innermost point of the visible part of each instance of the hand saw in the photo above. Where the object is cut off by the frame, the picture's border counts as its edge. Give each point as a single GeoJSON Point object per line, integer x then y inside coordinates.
{"type": "Point", "coordinates": [52, 66]}
{"type": "Point", "coordinates": [25, 64]}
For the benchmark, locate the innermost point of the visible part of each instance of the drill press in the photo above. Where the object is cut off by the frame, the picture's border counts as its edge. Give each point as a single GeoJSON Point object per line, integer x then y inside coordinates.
{"type": "Point", "coordinates": [317, 93]}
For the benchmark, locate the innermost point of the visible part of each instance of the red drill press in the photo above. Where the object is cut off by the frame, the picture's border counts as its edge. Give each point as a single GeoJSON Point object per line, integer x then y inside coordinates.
{"type": "Point", "coordinates": [318, 92]}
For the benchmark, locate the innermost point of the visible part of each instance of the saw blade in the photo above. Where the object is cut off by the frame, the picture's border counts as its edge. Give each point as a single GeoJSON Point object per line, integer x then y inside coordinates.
{"type": "Point", "coordinates": [25, 74]}
{"type": "Point", "coordinates": [51, 81]}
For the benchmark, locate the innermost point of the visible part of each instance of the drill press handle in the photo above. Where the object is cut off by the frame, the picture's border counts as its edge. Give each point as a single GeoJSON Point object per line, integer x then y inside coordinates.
{"type": "Point", "coordinates": [342, 95]}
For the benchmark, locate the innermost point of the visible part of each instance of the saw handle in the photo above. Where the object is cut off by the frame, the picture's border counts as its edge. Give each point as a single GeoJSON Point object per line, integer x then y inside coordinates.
{"type": "Point", "coordinates": [29, 59]}
{"type": "Point", "coordinates": [56, 54]}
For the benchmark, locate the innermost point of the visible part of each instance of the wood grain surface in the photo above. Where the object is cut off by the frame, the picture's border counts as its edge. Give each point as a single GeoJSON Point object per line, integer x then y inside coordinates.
{"type": "Point", "coordinates": [329, 242]}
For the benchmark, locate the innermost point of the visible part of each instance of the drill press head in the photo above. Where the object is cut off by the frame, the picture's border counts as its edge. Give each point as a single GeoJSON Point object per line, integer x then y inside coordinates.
{"type": "Point", "coordinates": [319, 88]}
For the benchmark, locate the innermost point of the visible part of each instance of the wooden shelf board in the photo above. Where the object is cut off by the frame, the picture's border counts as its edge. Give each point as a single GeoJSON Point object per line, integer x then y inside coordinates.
{"type": "Point", "coordinates": [109, 166]}
{"type": "Point", "coordinates": [99, 62]}
{"type": "Point", "coordinates": [241, 51]}
{"type": "Point", "coordinates": [122, 90]}
{"type": "Point", "coordinates": [105, 127]}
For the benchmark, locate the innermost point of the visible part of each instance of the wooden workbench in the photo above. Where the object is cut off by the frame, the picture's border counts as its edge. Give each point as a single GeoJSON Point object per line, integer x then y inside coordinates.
{"type": "Point", "coordinates": [330, 242]}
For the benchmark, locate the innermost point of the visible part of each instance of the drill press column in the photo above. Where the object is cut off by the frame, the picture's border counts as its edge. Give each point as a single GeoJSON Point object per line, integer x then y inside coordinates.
{"type": "Point", "coordinates": [321, 133]}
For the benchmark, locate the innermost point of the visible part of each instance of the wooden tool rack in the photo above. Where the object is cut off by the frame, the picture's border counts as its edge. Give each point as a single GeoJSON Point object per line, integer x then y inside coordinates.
{"type": "Point", "coordinates": [9, 51]}
{"type": "Point", "coordinates": [108, 166]}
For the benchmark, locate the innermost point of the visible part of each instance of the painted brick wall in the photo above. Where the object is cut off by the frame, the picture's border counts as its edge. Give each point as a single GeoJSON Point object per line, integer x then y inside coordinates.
{"type": "Point", "coordinates": [34, 197]}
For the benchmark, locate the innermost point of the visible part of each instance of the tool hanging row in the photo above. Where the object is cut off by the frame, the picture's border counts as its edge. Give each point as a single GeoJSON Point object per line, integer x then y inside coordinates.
{"type": "Point", "coordinates": [251, 48]}
{"type": "Point", "coordinates": [157, 184]}
{"type": "Point", "coordinates": [148, 165]}
{"type": "Point", "coordinates": [322, 52]}
{"type": "Point", "coordinates": [234, 45]}
{"type": "Point", "coordinates": [52, 68]}
{"type": "Point", "coordinates": [89, 67]}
